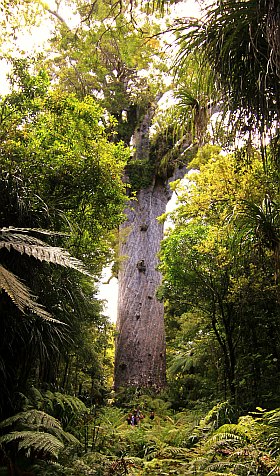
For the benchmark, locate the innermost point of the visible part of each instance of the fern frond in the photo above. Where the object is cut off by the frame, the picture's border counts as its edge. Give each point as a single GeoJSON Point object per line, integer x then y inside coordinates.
{"type": "Point", "coordinates": [272, 417]}
{"type": "Point", "coordinates": [181, 363]}
{"type": "Point", "coordinates": [41, 231]}
{"type": "Point", "coordinates": [212, 472]}
{"type": "Point", "coordinates": [62, 435]}
{"type": "Point", "coordinates": [31, 417]}
{"type": "Point", "coordinates": [10, 238]}
{"type": "Point", "coordinates": [65, 402]}
{"type": "Point", "coordinates": [222, 467]}
{"type": "Point", "coordinates": [50, 254]}
{"type": "Point", "coordinates": [73, 402]}
{"type": "Point", "coordinates": [220, 413]}
{"type": "Point", "coordinates": [241, 429]}
{"type": "Point", "coordinates": [35, 397]}
{"type": "Point", "coordinates": [24, 243]}
{"type": "Point", "coordinates": [225, 438]}
{"type": "Point", "coordinates": [199, 465]}
{"type": "Point", "coordinates": [69, 438]}
{"type": "Point", "coordinates": [36, 430]}
{"type": "Point", "coordinates": [36, 440]}
{"type": "Point", "coordinates": [49, 468]}
{"type": "Point", "coordinates": [174, 451]}
{"type": "Point", "coordinates": [22, 296]}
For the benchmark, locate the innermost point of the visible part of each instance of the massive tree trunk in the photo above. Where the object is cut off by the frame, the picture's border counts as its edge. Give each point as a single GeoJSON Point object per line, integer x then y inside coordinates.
{"type": "Point", "coordinates": [140, 342]}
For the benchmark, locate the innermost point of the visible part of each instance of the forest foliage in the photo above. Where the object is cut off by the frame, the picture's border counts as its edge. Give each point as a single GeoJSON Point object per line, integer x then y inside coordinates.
{"type": "Point", "coordinates": [66, 126]}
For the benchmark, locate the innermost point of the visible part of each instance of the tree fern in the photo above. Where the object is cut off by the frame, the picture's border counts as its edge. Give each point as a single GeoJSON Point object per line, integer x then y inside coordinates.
{"type": "Point", "coordinates": [37, 431]}
{"type": "Point", "coordinates": [31, 417]}
{"type": "Point", "coordinates": [39, 442]}
{"type": "Point", "coordinates": [21, 295]}
{"type": "Point", "coordinates": [17, 239]}
{"type": "Point", "coordinates": [20, 240]}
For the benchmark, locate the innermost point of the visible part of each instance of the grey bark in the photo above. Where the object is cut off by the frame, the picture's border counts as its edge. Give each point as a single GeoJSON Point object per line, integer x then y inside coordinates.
{"type": "Point", "coordinates": [140, 343]}
{"type": "Point", "coordinates": [140, 359]}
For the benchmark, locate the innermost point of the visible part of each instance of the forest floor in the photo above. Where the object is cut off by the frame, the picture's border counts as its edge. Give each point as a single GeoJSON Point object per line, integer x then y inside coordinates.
{"type": "Point", "coordinates": [161, 446]}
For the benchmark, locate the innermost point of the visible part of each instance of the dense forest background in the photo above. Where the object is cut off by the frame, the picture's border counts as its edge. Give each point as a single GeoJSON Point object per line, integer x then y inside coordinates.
{"type": "Point", "coordinates": [126, 99]}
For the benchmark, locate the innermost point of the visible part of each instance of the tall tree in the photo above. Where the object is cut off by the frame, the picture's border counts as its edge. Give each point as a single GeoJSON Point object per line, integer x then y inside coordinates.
{"type": "Point", "coordinates": [107, 60]}
{"type": "Point", "coordinates": [159, 159]}
{"type": "Point", "coordinates": [118, 61]}
{"type": "Point", "coordinates": [140, 341]}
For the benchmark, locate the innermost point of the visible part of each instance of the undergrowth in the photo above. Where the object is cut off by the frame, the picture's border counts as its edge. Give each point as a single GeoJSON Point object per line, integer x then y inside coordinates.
{"type": "Point", "coordinates": [99, 442]}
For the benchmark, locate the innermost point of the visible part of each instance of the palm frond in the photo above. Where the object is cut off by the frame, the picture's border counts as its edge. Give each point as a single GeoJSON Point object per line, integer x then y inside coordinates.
{"type": "Point", "coordinates": [233, 39]}
{"type": "Point", "coordinates": [187, 99]}
{"type": "Point", "coordinates": [258, 222]}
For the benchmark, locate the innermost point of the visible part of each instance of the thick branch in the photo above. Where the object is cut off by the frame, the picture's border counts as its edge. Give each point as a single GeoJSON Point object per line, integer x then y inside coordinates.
{"type": "Point", "coordinates": [59, 17]}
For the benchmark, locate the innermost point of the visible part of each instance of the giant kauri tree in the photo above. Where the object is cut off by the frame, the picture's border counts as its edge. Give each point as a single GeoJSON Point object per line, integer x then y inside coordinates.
{"type": "Point", "coordinates": [140, 343]}
{"type": "Point", "coordinates": [106, 59]}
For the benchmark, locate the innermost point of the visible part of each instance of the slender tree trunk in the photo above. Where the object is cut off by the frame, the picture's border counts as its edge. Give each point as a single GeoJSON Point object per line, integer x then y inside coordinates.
{"type": "Point", "coordinates": [140, 342]}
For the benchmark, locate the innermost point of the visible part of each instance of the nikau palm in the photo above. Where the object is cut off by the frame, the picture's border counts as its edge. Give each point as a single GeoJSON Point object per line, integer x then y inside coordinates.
{"type": "Point", "coordinates": [240, 42]}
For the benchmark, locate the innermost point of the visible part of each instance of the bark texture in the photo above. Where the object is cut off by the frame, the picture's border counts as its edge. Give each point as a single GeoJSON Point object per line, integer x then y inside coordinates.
{"type": "Point", "coordinates": [140, 359]}
{"type": "Point", "coordinates": [140, 343]}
